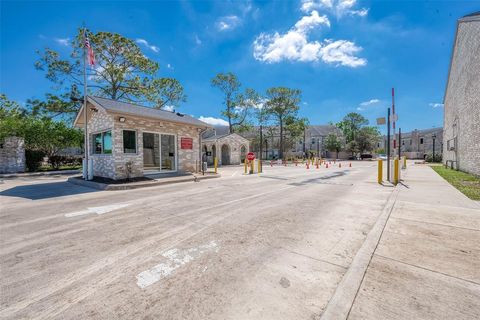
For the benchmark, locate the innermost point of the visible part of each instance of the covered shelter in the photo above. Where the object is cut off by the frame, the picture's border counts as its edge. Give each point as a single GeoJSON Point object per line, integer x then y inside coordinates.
{"type": "Point", "coordinates": [127, 140]}
{"type": "Point", "coordinates": [230, 148]}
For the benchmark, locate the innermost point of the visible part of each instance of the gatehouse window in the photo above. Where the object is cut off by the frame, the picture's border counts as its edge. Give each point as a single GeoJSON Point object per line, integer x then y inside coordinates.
{"type": "Point", "coordinates": [102, 142]}
{"type": "Point", "coordinates": [129, 141]}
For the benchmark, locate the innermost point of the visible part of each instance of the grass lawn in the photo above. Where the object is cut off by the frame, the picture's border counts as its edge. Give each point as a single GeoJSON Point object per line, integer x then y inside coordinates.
{"type": "Point", "coordinates": [468, 184]}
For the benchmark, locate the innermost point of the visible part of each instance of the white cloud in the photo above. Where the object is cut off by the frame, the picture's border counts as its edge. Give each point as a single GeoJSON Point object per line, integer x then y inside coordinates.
{"type": "Point", "coordinates": [213, 121]}
{"type": "Point", "coordinates": [339, 8]}
{"type": "Point", "coordinates": [295, 46]}
{"type": "Point", "coordinates": [228, 23]}
{"type": "Point", "coordinates": [436, 105]}
{"type": "Point", "coordinates": [63, 41]}
{"type": "Point", "coordinates": [169, 108]}
{"type": "Point", "coordinates": [169, 66]}
{"type": "Point", "coordinates": [306, 23]}
{"type": "Point", "coordinates": [148, 45]}
{"type": "Point", "coordinates": [369, 102]}
{"type": "Point", "coordinates": [197, 40]}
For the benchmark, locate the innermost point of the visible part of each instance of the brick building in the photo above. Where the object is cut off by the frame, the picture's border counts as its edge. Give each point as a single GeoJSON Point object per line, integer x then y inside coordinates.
{"type": "Point", "coordinates": [128, 140]}
{"type": "Point", "coordinates": [417, 144]}
{"type": "Point", "coordinates": [461, 149]}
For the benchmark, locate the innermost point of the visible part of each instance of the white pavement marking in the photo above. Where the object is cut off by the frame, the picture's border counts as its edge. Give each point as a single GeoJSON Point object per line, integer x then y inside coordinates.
{"type": "Point", "coordinates": [97, 210]}
{"type": "Point", "coordinates": [176, 259]}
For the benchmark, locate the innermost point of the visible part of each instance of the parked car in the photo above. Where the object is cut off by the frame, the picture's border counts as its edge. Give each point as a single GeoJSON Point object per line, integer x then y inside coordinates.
{"type": "Point", "coordinates": [366, 156]}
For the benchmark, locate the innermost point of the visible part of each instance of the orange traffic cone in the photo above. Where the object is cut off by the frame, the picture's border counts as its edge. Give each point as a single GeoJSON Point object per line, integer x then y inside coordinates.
{"type": "Point", "coordinates": [326, 165]}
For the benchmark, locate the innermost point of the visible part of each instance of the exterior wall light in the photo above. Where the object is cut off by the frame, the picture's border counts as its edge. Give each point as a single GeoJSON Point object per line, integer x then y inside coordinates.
{"type": "Point", "coordinates": [121, 119]}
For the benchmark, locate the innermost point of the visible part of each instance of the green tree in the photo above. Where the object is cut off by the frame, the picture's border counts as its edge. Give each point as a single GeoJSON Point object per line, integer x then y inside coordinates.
{"type": "Point", "coordinates": [367, 139]}
{"type": "Point", "coordinates": [283, 104]}
{"type": "Point", "coordinates": [351, 124]}
{"type": "Point", "coordinates": [121, 72]}
{"type": "Point", "coordinates": [237, 105]}
{"type": "Point", "coordinates": [333, 143]}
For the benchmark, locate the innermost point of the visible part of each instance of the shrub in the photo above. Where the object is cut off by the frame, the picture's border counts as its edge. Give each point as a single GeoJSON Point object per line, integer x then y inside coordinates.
{"type": "Point", "coordinates": [57, 161]}
{"type": "Point", "coordinates": [33, 159]}
{"type": "Point", "coordinates": [438, 157]}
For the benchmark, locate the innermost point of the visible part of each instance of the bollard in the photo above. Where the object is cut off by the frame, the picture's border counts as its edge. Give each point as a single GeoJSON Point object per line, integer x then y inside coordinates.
{"type": "Point", "coordinates": [395, 171]}
{"type": "Point", "coordinates": [271, 163]}
{"type": "Point", "coordinates": [339, 165]}
{"type": "Point", "coordinates": [245, 165]}
{"type": "Point", "coordinates": [404, 162]}
{"type": "Point", "coordinates": [215, 164]}
{"type": "Point", "coordinates": [252, 167]}
{"type": "Point", "coordinates": [317, 165]}
{"type": "Point", "coordinates": [308, 165]}
{"type": "Point", "coordinates": [326, 165]}
{"type": "Point", "coordinates": [380, 171]}
{"type": "Point", "coordinates": [259, 166]}
{"type": "Point", "coordinates": [350, 165]}
{"type": "Point", "coordinates": [296, 163]}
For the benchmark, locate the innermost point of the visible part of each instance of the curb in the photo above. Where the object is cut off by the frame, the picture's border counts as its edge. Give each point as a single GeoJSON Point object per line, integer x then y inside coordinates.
{"type": "Point", "coordinates": [36, 174]}
{"type": "Point", "coordinates": [116, 187]}
{"type": "Point", "coordinates": [342, 300]}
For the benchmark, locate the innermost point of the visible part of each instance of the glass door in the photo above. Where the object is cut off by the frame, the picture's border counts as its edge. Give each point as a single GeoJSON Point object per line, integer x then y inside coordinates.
{"type": "Point", "coordinates": [168, 151]}
{"type": "Point", "coordinates": [151, 151]}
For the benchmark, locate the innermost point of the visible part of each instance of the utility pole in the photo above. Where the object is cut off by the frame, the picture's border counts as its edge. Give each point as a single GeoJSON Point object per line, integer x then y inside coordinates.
{"type": "Point", "coordinates": [388, 145]}
{"type": "Point", "coordinates": [85, 110]}
{"type": "Point", "coordinates": [261, 142]}
{"type": "Point", "coordinates": [399, 142]}
{"type": "Point", "coordinates": [304, 137]}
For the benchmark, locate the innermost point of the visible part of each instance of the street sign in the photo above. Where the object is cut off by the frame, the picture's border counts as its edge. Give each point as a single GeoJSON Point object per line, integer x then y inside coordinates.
{"type": "Point", "coordinates": [381, 121]}
{"type": "Point", "coordinates": [251, 156]}
{"type": "Point", "coordinates": [186, 143]}
{"type": "Point", "coordinates": [394, 117]}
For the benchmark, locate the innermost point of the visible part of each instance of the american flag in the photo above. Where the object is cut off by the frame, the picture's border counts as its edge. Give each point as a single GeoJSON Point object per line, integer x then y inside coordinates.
{"type": "Point", "coordinates": [91, 55]}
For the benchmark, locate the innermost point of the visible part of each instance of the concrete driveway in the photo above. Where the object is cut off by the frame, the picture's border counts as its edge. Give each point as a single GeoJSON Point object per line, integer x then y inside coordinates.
{"type": "Point", "coordinates": [270, 246]}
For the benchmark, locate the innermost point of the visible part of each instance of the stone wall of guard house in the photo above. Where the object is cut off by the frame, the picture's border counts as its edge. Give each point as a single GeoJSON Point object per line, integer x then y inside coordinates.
{"type": "Point", "coordinates": [187, 159]}
{"type": "Point", "coordinates": [12, 155]}
{"type": "Point", "coordinates": [462, 100]}
{"type": "Point", "coordinates": [103, 164]}
{"type": "Point", "coordinates": [234, 144]}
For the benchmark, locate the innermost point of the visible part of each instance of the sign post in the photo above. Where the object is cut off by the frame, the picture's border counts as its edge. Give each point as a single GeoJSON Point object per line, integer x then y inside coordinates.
{"type": "Point", "coordinates": [251, 158]}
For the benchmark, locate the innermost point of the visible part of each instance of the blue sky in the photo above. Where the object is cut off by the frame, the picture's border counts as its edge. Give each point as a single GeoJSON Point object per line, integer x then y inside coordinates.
{"type": "Point", "coordinates": [344, 55]}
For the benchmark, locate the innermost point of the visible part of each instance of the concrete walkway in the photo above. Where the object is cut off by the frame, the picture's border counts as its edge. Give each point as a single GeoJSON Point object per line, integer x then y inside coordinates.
{"type": "Point", "coordinates": [427, 262]}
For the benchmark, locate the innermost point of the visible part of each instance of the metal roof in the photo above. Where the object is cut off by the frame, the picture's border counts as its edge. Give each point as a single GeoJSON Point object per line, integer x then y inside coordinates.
{"type": "Point", "coordinates": [145, 112]}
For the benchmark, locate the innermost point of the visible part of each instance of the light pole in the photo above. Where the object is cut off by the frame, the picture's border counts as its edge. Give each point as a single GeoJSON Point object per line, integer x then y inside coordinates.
{"type": "Point", "coordinates": [266, 149]}
{"type": "Point", "coordinates": [433, 137]}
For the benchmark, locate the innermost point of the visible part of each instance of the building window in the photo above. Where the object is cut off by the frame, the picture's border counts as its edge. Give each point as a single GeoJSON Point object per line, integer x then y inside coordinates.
{"type": "Point", "coordinates": [129, 141]}
{"type": "Point", "coordinates": [421, 140]}
{"type": "Point", "coordinates": [102, 142]}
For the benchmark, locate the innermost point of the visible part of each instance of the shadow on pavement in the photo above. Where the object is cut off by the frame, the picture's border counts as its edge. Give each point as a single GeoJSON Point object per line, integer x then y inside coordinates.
{"type": "Point", "coordinates": [45, 190]}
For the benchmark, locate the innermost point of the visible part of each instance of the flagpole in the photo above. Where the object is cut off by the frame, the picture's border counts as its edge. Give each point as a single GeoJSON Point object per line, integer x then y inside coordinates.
{"type": "Point", "coordinates": [85, 110]}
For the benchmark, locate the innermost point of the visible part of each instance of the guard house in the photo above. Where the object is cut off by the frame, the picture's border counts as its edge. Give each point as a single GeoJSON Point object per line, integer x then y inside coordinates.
{"type": "Point", "coordinates": [129, 140]}
{"type": "Point", "coordinates": [228, 148]}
